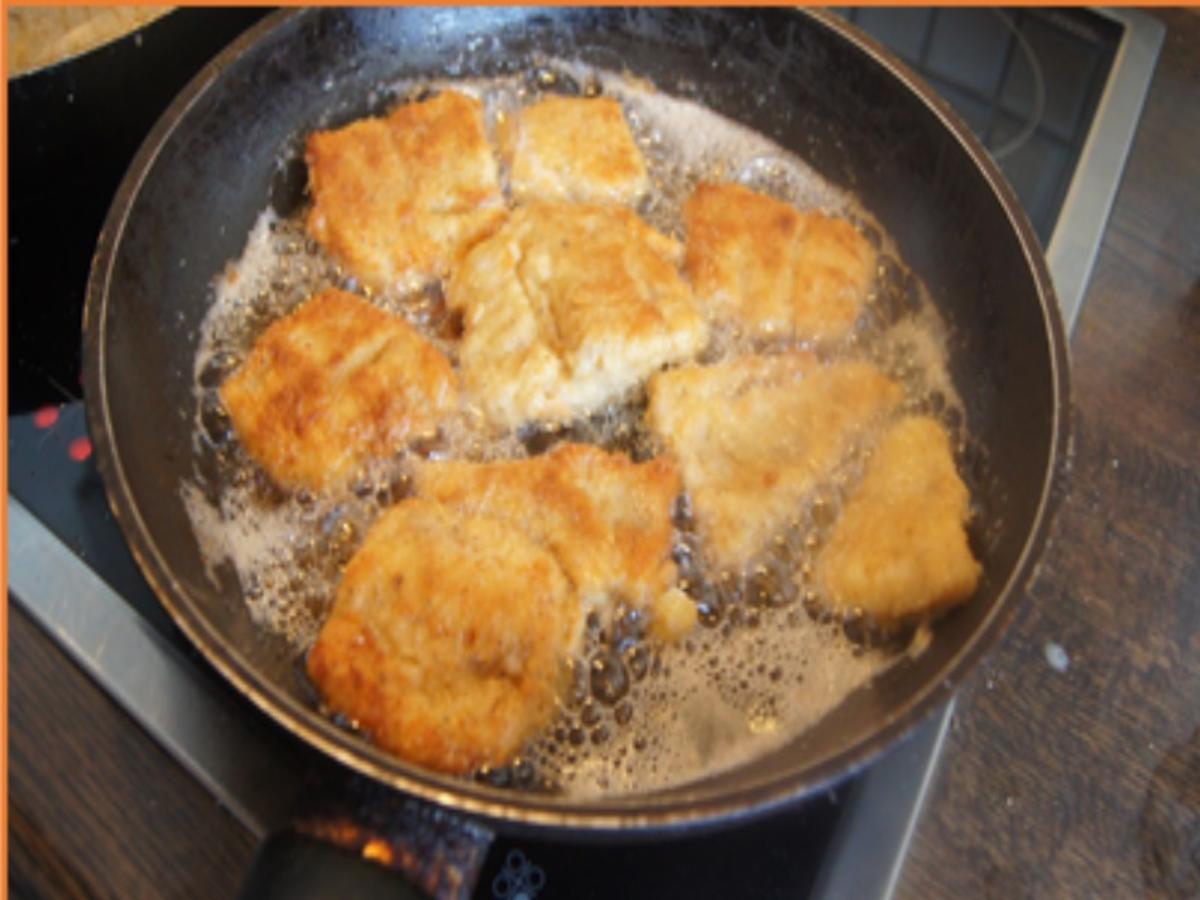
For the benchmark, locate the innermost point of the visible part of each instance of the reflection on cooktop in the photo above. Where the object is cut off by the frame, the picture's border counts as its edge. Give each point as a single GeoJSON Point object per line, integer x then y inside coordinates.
{"type": "Point", "coordinates": [1026, 81]}
{"type": "Point", "coordinates": [74, 128]}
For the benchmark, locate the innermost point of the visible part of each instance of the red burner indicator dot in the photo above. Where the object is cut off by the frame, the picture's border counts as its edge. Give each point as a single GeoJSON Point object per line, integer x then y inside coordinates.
{"type": "Point", "coordinates": [45, 417]}
{"type": "Point", "coordinates": [80, 449]}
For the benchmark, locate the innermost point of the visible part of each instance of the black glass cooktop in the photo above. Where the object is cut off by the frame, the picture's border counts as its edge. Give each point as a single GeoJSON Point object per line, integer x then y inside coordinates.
{"type": "Point", "coordinates": [1028, 82]}
{"type": "Point", "coordinates": [72, 131]}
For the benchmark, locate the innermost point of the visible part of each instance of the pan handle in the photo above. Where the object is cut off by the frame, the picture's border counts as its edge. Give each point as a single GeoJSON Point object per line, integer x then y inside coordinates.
{"type": "Point", "coordinates": [366, 841]}
{"type": "Point", "coordinates": [294, 866]}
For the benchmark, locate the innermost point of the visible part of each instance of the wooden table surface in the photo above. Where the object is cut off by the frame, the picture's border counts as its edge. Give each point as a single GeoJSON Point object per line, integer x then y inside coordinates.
{"type": "Point", "coordinates": [1086, 783]}
{"type": "Point", "coordinates": [1083, 782]}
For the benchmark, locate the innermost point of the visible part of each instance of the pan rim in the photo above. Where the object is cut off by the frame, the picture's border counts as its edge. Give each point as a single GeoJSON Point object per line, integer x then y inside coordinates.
{"type": "Point", "coordinates": [648, 814]}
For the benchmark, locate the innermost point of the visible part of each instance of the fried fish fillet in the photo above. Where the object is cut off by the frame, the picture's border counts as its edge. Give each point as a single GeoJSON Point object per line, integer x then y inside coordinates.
{"type": "Point", "coordinates": [447, 638]}
{"type": "Point", "coordinates": [398, 199]}
{"type": "Point", "coordinates": [900, 547]}
{"type": "Point", "coordinates": [566, 307]}
{"type": "Point", "coordinates": [574, 148]}
{"type": "Point", "coordinates": [755, 435]}
{"type": "Point", "coordinates": [605, 518]}
{"type": "Point", "coordinates": [333, 384]}
{"type": "Point", "coordinates": [773, 270]}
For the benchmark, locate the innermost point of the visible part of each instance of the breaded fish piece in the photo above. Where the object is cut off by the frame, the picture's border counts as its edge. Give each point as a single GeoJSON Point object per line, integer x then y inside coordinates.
{"type": "Point", "coordinates": [755, 435]}
{"type": "Point", "coordinates": [565, 308]}
{"type": "Point", "coordinates": [773, 270]}
{"type": "Point", "coordinates": [605, 518]}
{"type": "Point", "coordinates": [447, 638]}
{"type": "Point", "coordinates": [333, 384]}
{"type": "Point", "coordinates": [574, 148]}
{"type": "Point", "coordinates": [900, 547]}
{"type": "Point", "coordinates": [398, 199]}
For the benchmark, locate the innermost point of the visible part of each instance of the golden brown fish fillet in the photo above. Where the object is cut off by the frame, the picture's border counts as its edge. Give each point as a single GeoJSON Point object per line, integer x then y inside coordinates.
{"type": "Point", "coordinates": [605, 518]}
{"type": "Point", "coordinates": [333, 384]}
{"type": "Point", "coordinates": [755, 435]}
{"type": "Point", "coordinates": [565, 308]}
{"type": "Point", "coordinates": [398, 199]}
{"type": "Point", "coordinates": [773, 270]}
{"type": "Point", "coordinates": [900, 547]}
{"type": "Point", "coordinates": [448, 636]}
{"type": "Point", "coordinates": [574, 148]}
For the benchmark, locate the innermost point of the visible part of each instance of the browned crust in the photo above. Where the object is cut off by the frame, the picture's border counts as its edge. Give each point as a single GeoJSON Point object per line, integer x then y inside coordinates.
{"type": "Point", "coordinates": [606, 519]}
{"type": "Point", "coordinates": [900, 548]}
{"type": "Point", "coordinates": [399, 199]}
{"type": "Point", "coordinates": [566, 307]}
{"type": "Point", "coordinates": [333, 384]}
{"type": "Point", "coordinates": [755, 435]}
{"type": "Point", "coordinates": [771, 269]}
{"type": "Point", "coordinates": [575, 148]}
{"type": "Point", "coordinates": [447, 639]}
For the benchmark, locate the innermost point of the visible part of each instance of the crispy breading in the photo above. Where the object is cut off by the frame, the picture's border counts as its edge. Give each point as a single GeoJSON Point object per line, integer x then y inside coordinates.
{"type": "Point", "coordinates": [755, 435]}
{"type": "Point", "coordinates": [673, 615]}
{"type": "Point", "coordinates": [900, 547]}
{"type": "Point", "coordinates": [447, 638]}
{"type": "Point", "coordinates": [605, 518]}
{"type": "Point", "coordinates": [773, 270]}
{"type": "Point", "coordinates": [398, 199]}
{"type": "Point", "coordinates": [567, 307]}
{"type": "Point", "coordinates": [333, 384]}
{"type": "Point", "coordinates": [574, 148]}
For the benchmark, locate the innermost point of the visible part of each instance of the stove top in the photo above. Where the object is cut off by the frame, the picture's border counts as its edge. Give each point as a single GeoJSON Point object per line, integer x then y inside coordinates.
{"type": "Point", "coordinates": [1055, 95]}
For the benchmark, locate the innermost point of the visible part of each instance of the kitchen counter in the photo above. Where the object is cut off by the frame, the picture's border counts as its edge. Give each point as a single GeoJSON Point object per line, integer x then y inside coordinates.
{"type": "Point", "coordinates": [1076, 772]}
{"type": "Point", "coordinates": [1072, 766]}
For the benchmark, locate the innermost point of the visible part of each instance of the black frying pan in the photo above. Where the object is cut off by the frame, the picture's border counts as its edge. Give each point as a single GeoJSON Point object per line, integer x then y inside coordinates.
{"type": "Point", "coordinates": [802, 78]}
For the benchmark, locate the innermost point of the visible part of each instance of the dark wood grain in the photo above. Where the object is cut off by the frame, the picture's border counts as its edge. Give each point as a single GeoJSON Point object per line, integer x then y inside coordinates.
{"type": "Point", "coordinates": [97, 809]}
{"type": "Point", "coordinates": [1081, 783]}
{"type": "Point", "coordinates": [1086, 783]}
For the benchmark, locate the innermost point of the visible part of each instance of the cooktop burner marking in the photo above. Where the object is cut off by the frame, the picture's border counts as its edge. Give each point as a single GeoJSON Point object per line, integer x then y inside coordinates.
{"type": "Point", "coordinates": [80, 449]}
{"type": "Point", "coordinates": [45, 417]}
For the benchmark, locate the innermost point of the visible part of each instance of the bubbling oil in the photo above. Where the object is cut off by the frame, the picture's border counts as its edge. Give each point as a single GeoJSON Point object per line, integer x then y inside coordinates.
{"type": "Point", "coordinates": [767, 661]}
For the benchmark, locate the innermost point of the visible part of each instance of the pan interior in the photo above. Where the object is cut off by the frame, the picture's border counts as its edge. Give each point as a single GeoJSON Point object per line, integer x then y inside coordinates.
{"type": "Point", "coordinates": [229, 147]}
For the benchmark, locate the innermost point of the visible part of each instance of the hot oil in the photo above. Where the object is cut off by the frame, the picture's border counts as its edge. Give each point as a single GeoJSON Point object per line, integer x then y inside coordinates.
{"type": "Point", "coordinates": [767, 660]}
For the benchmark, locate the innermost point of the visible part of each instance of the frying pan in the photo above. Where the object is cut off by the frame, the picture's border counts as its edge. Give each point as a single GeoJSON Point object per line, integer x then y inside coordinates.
{"type": "Point", "coordinates": [229, 146]}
